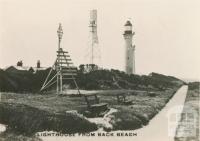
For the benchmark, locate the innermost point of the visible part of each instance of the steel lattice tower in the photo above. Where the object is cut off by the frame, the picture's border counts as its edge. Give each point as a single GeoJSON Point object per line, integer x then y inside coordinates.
{"type": "Point", "coordinates": [93, 55]}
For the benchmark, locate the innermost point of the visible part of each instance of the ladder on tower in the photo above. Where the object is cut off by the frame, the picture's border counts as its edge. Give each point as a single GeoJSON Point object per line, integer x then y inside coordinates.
{"type": "Point", "coordinates": [64, 71]}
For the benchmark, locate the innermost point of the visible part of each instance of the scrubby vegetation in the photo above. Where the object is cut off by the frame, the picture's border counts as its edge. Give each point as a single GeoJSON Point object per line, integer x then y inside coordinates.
{"type": "Point", "coordinates": [140, 112]}
{"type": "Point", "coordinates": [95, 80]}
{"type": "Point", "coordinates": [194, 86]}
{"type": "Point", "coordinates": [27, 120]}
{"type": "Point", "coordinates": [8, 136]}
{"type": "Point", "coordinates": [114, 79]}
{"type": "Point", "coordinates": [48, 112]}
{"type": "Point", "coordinates": [33, 112]}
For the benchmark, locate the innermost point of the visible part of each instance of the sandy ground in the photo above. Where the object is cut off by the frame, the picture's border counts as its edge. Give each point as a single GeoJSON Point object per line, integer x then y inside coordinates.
{"type": "Point", "coordinates": [72, 91]}
{"type": "Point", "coordinates": [2, 128]}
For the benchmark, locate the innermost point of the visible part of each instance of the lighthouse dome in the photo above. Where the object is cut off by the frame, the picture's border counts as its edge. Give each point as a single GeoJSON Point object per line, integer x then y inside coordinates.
{"type": "Point", "coordinates": [128, 27]}
{"type": "Point", "coordinates": [128, 23]}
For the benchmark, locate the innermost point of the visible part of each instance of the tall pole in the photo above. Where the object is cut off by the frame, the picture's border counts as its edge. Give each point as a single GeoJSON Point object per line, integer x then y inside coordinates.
{"type": "Point", "coordinates": [62, 66]}
{"type": "Point", "coordinates": [92, 49]}
{"type": "Point", "coordinates": [59, 65]}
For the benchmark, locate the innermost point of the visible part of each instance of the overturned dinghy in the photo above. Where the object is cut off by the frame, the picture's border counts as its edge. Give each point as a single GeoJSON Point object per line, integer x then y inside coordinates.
{"type": "Point", "coordinates": [94, 107]}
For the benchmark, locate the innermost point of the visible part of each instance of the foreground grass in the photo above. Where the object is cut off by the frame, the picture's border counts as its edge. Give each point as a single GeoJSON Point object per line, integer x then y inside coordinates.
{"type": "Point", "coordinates": [28, 113]}
{"type": "Point", "coordinates": [27, 120]}
{"type": "Point", "coordinates": [8, 136]}
{"type": "Point", "coordinates": [138, 114]}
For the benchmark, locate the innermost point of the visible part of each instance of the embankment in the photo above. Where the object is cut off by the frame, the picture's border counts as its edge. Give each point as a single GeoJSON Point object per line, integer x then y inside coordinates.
{"type": "Point", "coordinates": [26, 120]}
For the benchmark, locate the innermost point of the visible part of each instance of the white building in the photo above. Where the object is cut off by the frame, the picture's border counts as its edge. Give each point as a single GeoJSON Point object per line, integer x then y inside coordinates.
{"type": "Point", "coordinates": [130, 49]}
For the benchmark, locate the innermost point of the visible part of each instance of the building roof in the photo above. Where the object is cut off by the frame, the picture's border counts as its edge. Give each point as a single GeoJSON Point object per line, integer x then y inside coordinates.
{"type": "Point", "coordinates": [128, 23]}
{"type": "Point", "coordinates": [38, 69]}
{"type": "Point", "coordinates": [25, 68]}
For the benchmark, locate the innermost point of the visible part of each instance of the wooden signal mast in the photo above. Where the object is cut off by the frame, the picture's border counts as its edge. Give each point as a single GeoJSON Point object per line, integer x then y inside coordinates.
{"type": "Point", "coordinates": [63, 66]}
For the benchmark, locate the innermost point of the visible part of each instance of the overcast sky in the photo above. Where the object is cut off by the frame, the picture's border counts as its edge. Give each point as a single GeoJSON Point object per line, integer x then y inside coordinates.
{"type": "Point", "coordinates": [167, 33]}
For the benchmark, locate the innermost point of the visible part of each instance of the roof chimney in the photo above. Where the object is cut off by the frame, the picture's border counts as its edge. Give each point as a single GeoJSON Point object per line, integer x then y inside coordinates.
{"type": "Point", "coordinates": [38, 64]}
{"type": "Point", "coordinates": [20, 63]}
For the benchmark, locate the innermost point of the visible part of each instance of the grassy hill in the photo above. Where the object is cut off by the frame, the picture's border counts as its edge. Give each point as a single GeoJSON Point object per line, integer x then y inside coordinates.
{"type": "Point", "coordinates": [114, 79]}
{"type": "Point", "coordinates": [95, 80]}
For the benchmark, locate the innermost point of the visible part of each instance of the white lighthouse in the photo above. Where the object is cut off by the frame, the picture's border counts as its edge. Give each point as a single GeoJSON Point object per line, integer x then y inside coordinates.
{"type": "Point", "coordinates": [130, 49]}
